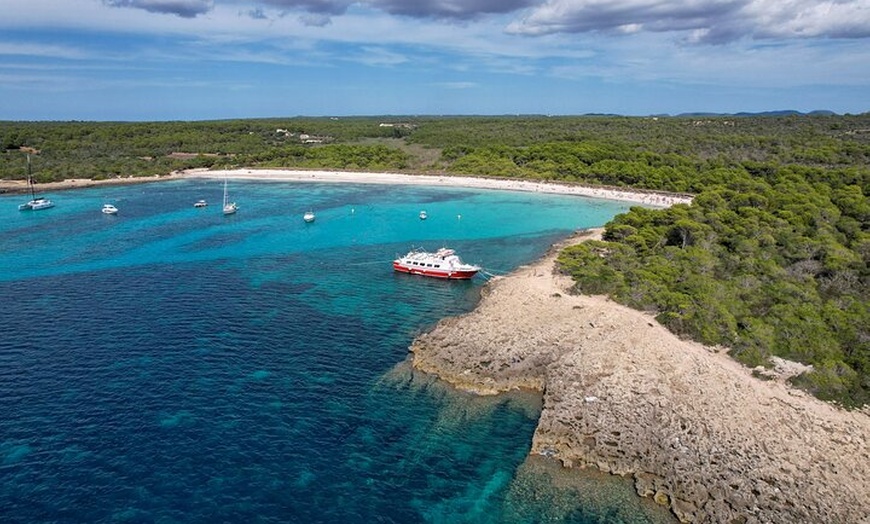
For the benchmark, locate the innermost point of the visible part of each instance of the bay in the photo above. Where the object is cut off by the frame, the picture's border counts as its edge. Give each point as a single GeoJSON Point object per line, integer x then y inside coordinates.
{"type": "Point", "coordinates": [171, 364]}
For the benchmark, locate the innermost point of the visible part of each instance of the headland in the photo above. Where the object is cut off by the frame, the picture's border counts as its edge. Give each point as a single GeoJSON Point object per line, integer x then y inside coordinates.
{"type": "Point", "coordinates": [694, 429]}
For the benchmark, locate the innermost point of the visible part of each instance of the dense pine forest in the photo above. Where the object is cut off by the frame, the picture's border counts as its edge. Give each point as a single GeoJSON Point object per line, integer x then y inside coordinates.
{"type": "Point", "coordinates": [771, 258]}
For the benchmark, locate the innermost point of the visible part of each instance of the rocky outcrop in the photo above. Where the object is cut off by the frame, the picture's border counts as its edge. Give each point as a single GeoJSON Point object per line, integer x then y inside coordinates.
{"type": "Point", "coordinates": [695, 430]}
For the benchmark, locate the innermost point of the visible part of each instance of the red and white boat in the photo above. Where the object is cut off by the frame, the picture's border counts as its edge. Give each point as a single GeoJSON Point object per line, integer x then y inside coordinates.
{"type": "Point", "coordinates": [444, 263]}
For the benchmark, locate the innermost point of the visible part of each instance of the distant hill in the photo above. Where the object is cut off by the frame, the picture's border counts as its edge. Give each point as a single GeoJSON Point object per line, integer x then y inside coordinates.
{"type": "Point", "coordinates": [784, 112]}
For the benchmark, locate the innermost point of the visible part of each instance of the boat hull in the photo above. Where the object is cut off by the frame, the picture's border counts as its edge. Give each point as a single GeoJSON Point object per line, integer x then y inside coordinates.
{"type": "Point", "coordinates": [36, 205]}
{"type": "Point", "coordinates": [435, 273]}
{"type": "Point", "coordinates": [444, 263]}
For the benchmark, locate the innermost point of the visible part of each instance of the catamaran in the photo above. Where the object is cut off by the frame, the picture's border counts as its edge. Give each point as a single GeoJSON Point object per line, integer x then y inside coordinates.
{"type": "Point", "coordinates": [36, 203]}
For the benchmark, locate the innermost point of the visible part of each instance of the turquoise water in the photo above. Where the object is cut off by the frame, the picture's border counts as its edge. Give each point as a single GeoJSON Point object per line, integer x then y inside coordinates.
{"type": "Point", "coordinates": [170, 364]}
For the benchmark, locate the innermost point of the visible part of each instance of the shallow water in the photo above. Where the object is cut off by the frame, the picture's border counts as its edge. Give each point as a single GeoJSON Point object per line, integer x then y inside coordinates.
{"type": "Point", "coordinates": [171, 364]}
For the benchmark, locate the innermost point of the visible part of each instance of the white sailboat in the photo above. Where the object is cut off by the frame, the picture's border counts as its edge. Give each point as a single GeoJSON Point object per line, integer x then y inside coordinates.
{"type": "Point", "coordinates": [229, 207]}
{"type": "Point", "coordinates": [36, 203]}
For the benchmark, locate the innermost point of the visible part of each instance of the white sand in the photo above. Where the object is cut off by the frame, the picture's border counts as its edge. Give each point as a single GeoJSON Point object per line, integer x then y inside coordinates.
{"type": "Point", "coordinates": [649, 198]}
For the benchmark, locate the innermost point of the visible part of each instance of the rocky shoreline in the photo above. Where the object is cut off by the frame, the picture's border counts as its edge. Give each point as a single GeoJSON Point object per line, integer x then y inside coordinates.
{"type": "Point", "coordinates": [694, 429]}
{"type": "Point", "coordinates": [20, 187]}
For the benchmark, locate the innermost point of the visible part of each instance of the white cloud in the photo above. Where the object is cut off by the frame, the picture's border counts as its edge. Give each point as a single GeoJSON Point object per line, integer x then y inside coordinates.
{"type": "Point", "coordinates": [810, 19]}
{"type": "Point", "coordinates": [378, 56]}
{"type": "Point", "coordinates": [315, 19]}
{"type": "Point", "coordinates": [182, 8]}
{"type": "Point", "coordinates": [40, 50]}
{"type": "Point", "coordinates": [457, 85]}
{"type": "Point", "coordinates": [712, 21]}
{"type": "Point", "coordinates": [427, 9]}
{"type": "Point", "coordinates": [613, 42]}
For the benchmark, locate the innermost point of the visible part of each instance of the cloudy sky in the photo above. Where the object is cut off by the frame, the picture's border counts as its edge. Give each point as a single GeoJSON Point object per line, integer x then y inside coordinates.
{"type": "Point", "coordinates": [211, 59]}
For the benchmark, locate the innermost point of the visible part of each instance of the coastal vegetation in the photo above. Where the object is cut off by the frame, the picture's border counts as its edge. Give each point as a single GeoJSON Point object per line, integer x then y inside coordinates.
{"type": "Point", "coordinates": [770, 259]}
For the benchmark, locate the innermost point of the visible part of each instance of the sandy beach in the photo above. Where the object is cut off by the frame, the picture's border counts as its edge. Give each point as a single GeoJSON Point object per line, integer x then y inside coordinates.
{"type": "Point", "coordinates": [649, 198]}
{"type": "Point", "coordinates": [694, 429]}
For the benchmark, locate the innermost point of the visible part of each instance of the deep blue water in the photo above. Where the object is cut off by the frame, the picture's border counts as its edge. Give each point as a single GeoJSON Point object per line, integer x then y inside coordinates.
{"type": "Point", "coordinates": [170, 364]}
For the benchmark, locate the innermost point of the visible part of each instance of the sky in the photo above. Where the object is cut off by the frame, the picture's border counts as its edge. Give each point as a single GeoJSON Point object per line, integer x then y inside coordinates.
{"type": "Point", "coordinates": [158, 60]}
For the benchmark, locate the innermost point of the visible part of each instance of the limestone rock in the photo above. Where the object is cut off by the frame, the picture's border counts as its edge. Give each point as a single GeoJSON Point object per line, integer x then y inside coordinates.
{"type": "Point", "coordinates": [694, 428]}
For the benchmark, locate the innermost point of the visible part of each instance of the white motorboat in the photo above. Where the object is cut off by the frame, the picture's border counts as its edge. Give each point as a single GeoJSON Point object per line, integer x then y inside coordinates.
{"type": "Point", "coordinates": [308, 216]}
{"type": "Point", "coordinates": [200, 203]}
{"type": "Point", "coordinates": [109, 209]}
{"type": "Point", "coordinates": [444, 263]}
{"type": "Point", "coordinates": [423, 215]}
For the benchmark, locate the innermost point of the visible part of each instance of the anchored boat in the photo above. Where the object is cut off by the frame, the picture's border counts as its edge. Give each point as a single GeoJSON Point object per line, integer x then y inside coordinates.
{"type": "Point", "coordinates": [444, 263]}
{"type": "Point", "coordinates": [229, 207]}
{"type": "Point", "coordinates": [36, 203]}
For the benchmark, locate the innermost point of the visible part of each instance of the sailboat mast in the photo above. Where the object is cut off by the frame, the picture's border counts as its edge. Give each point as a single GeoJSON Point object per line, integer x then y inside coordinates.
{"type": "Point", "coordinates": [30, 179]}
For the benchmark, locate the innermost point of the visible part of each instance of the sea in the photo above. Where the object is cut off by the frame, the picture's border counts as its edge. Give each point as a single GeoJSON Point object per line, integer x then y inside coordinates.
{"type": "Point", "coordinates": [170, 364]}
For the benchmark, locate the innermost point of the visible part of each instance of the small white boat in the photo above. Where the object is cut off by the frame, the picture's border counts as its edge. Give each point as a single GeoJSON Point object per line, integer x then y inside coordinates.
{"type": "Point", "coordinates": [229, 207]}
{"type": "Point", "coordinates": [200, 203]}
{"type": "Point", "coordinates": [423, 215]}
{"type": "Point", "coordinates": [444, 263]}
{"type": "Point", "coordinates": [308, 216]}
{"type": "Point", "coordinates": [109, 209]}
